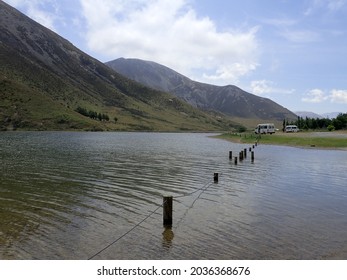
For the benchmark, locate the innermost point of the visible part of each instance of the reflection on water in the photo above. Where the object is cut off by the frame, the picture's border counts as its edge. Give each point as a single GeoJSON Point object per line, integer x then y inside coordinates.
{"type": "Point", "coordinates": [67, 195]}
{"type": "Point", "coordinates": [168, 236]}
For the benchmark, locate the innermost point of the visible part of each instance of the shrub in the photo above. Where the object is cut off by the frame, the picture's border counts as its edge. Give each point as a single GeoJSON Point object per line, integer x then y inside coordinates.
{"type": "Point", "coordinates": [241, 128]}
{"type": "Point", "coordinates": [331, 127]}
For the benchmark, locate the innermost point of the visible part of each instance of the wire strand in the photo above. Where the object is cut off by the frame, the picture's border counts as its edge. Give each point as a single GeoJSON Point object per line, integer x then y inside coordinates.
{"type": "Point", "coordinates": [193, 192]}
{"type": "Point", "coordinates": [120, 237]}
{"type": "Point", "coordinates": [202, 189]}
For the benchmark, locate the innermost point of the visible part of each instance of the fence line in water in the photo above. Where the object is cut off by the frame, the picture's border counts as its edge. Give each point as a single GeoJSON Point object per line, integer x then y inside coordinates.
{"type": "Point", "coordinates": [167, 201]}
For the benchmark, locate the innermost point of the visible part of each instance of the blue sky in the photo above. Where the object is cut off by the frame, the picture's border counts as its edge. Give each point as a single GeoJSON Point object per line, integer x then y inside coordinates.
{"type": "Point", "coordinates": [293, 52]}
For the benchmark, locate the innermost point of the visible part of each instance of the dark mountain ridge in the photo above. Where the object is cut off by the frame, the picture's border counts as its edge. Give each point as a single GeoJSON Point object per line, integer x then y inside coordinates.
{"type": "Point", "coordinates": [44, 79]}
{"type": "Point", "coordinates": [229, 99]}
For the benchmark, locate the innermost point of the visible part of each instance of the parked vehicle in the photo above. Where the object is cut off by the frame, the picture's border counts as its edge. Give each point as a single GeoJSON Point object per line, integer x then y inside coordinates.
{"type": "Point", "coordinates": [265, 128]}
{"type": "Point", "coordinates": [291, 128]}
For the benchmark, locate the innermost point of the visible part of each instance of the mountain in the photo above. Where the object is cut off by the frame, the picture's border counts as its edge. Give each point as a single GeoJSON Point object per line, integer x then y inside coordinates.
{"type": "Point", "coordinates": [331, 115]}
{"type": "Point", "coordinates": [311, 115]}
{"type": "Point", "coordinates": [47, 83]}
{"type": "Point", "coordinates": [305, 114]}
{"type": "Point", "coordinates": [229, 100]}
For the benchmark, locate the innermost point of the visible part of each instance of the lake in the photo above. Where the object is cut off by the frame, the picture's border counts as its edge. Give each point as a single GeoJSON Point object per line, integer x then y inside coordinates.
{"type": "Point", "coordinates": [70, 195]}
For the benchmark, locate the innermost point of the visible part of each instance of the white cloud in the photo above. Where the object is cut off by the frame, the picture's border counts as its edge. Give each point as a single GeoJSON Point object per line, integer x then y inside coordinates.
{"type": "Point", "coordinates": [280, 21]}
{"type": "Point", "coordinates": [338, 96]}
{"type": "Point", "coordinates": [267, 88]}
{"type": "Point", "coordinates": [315, 96]}
{"type": "Point", "coordinates": [38, 10]}
{"type": "Point", "coordinates": [301, 36]}
{"type": "Point", "coordinates": [230, 73]}
{"type": "Point", "coordinates": [261, 87]}
{"type": "Point", "coordinates": [336, 5]}
{"type": "Point", "coordinates": [171, 33]}
{"type": "Point", "coordinates": [319, 96]}
{"type": "Point", "coordinates": [327, 5]}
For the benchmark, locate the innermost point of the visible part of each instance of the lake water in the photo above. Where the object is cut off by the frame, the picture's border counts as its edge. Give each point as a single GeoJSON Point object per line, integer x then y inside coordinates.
{"type": "Point", "coordinates": [68, 195]}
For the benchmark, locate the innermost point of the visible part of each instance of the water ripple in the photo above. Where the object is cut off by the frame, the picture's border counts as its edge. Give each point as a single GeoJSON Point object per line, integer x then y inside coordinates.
{"type": "Point", "coordinates": [66, 195]}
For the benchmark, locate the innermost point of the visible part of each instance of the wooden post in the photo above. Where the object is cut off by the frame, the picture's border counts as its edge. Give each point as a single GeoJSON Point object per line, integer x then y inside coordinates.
{"type": "Point", "coordinates": [215, 177]}
{"type": "Point", "coordinates": [245, 153]}
{"type": "Point", "coordinates": [250, 148]}
{"type": "Point", "coordinates": [252, 156]}
{"type": "Point", "coordinates": [235, 160]}
{"type": "Point", "coordinates": [167, 210]}
{"type": "Point", "coordinates": [230, 154]}
{"type": "Point", "coordinates": [253, 146]}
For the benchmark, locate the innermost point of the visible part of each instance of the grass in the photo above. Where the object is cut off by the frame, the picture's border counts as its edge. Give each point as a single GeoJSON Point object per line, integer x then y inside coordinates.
{"type": "Point", "coordinates": [302, 139]}
{"type": "Point", "coordinates": [23, 107]}
{"type": "Point", "coordinates": [36, 96]}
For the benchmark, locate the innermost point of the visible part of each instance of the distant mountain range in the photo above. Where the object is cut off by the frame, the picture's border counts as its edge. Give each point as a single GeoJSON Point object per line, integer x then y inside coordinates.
{"type": "Point", "coordinates": [331, 115]}
{"type": "Point", "coordinates": [229, 99]}
{"type": "Point", "coordinates": [305, 114]}
{"type": "Point", "coordinates": [47, 83]}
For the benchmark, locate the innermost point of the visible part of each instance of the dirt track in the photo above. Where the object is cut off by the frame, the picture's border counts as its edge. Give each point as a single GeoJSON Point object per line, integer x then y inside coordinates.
{"type": "Point", "coordinates": [334, 134]}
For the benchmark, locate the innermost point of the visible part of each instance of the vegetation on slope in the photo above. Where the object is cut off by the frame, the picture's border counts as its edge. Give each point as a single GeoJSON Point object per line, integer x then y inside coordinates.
{"type": "Point", "coordinates": [44, 79]}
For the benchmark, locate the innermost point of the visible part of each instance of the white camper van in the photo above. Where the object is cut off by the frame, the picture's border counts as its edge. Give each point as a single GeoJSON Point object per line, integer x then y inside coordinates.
{"type": "Point", "coordinates": [291, 128]}
{"type": "Point", "coordinates": [264, 128]}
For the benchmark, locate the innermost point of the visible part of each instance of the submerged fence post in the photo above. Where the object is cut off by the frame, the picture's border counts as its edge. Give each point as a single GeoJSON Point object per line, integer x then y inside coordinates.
{"type": "Point", "coordinates": [230, 154]}
{"type": "Point", "coordinates": [167, 210]}
{"type": "Point", "coordinates": [215, 177]}
{"type": "Point", "coordinates": [235, 161]}
{"type": "Point", "coordinates": [245, 153]}
{"type": "Point", "coordinates": [252, 156]}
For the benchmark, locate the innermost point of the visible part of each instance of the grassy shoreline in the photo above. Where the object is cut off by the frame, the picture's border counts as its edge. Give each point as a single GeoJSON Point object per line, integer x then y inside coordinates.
{"type": "Point", "coordinates": [302, 139]}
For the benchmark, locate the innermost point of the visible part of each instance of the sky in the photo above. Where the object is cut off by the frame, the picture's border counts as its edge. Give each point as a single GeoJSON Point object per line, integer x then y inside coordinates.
{"type": "Point", "coordinates": [291, 51]}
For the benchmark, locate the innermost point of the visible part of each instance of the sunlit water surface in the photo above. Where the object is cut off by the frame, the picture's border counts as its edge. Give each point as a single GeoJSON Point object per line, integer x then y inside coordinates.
{"type": "Point", "coordinates": [68, 195]}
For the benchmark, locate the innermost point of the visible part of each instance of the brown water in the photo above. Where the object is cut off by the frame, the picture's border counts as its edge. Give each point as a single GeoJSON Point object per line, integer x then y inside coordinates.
{"type": "Point", "coordinates": [68, 195]}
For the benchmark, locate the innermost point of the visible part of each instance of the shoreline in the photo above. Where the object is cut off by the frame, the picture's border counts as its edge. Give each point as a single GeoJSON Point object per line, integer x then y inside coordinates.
{"type": "Point", "coordinates": [305, 140]}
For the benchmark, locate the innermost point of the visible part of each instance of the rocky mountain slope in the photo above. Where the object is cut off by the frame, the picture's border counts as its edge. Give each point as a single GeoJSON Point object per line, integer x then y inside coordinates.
{"type": "Point", "coordinates": [229, 100]}
{"type": "Point", "coordinates": [47, 83]}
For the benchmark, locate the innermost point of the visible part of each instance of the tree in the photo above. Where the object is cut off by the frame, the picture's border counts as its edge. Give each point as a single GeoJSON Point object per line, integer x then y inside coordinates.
{"type": "Point", "coordinates": [338, 123]}
{"type": "Point", "coordinates": [105, 117]}
{"type": "Point", "coordinates": [82, 111]}
{"type": "Point", "coordinates": [99, 117]}
{"type": "Point", "coordinates": [301, 122]}
{"type": "Point", "coordinates": [284, 125]}
{"type": "Point", "coordinates": [314, 123]}
{"type": "Point", "coordinates": [92, 114]}
{"type": "Point", "coordinates": [341, 121]}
